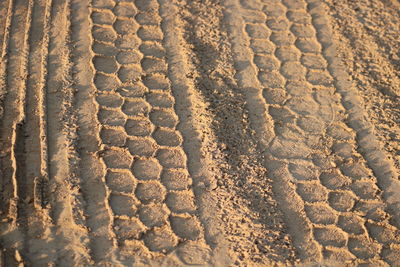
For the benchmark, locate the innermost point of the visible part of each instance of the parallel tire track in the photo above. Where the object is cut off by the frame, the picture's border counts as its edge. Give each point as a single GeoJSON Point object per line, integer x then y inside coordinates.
{"type": "Point", "coordinates": [9, 252]}
{"type": "Point", "coordinates": [14, 114]}
{"type": "Point", "coordinates": [104, 159]}
{"type": "Point", "coordinates": [26, 157]}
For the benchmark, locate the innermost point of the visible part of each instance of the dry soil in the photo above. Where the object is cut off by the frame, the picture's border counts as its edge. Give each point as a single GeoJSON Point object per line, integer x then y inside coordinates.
{"type": "Point", "coordinates": [199, 133]}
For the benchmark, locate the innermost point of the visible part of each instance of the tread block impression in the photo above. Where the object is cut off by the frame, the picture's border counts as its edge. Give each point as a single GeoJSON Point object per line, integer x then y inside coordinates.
{"type": "Point", "coordinates": [146, 169]}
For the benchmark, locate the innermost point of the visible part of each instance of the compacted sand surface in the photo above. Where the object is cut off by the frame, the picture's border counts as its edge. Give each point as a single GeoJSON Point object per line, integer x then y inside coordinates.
{"type": "Point", "coordinates": [199, 133]}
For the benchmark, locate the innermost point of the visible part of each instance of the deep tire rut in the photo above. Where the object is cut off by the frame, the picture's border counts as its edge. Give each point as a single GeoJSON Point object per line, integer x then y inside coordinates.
{"type": "Point", "coordinates": [186, 133]}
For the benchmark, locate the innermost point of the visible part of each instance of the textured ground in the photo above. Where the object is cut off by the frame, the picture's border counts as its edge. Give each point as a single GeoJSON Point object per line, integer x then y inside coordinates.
{"type": "Point", "coordinates": [199, 133]}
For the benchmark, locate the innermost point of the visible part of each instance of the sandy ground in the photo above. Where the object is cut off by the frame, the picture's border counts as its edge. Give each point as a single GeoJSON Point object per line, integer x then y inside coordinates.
{"type": "Point", "coordinates": [199, 133]}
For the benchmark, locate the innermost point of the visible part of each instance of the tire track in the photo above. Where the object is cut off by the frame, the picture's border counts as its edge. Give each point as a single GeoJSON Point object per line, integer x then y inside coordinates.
{"type": "Point", "coordinates": [148, 191]}
{"type": "Point", "coordinates": [363, 62]}
{"type": "Point", "coordinates": [367, 142]}
{"type": "Point", "coordinates": [228, 139]}
{"type": "Point", "coordinates": [288, 200]}
{"type": "Point", "coordinates": [197, 163]}
{"type": "Point", "coordinates": [309, 98]}
{"type": "Point", "coordinates": [12, 158]}
{"type": "Point", "coordinates": [364, 20]}
{"type": "Point", "coordinates": [6, 9]}
{"type": "Point", "coordinates": [70, 237]}
{"type": "Point", "coordinates": [384, 70]}
{"type": "Point", "coordinates": [13, 114]}
{"type": "Point", "coordinates": [102, 241]}
{"type": "Point", "coordinates": [207, 133]}
{"type": "Point", "coordinates": [142, 171]}
{"type": "Point", "coordinates": [35, 143]}
{"type": "Point", "coordinates": [5, 12]}
{"type": "Point", "coordinates": [347, 158]}
{"type": "Point", "coordinates": [298, 53]}
{"type": "Point", "coordinates": [32, 178]}
{"type": "Point", "coordinates": [368, 145]}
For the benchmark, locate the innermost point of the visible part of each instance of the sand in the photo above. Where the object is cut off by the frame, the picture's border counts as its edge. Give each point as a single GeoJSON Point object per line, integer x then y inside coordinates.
{"type": "Point", "coordinates": [199, 133]}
